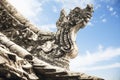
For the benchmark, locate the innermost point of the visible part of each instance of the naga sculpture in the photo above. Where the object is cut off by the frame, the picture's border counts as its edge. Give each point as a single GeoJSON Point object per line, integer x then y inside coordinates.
{"type": "Point", "coordinates": [68, 25]}
{"type": "Point", "coordinates": [62, 43]}
{"type": "Point", "coordinates": [27, 53]}
{"type": "Point", "coordinates": [54, 48]}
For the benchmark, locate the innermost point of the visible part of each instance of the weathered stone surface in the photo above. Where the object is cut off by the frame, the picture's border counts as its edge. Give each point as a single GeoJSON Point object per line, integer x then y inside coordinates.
{"type": "Point", "coordinates": [55, 48]}
{"type": "Point", "coordinates": [13, 67]}
{"type": "Point", "coordinates": [27, 53]}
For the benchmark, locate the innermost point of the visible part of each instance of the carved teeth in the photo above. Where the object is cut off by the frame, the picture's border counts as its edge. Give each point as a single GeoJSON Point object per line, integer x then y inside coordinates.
{"type": "Point", "coordinates": [82, 19]}
{"type": "Point", "coordinates": [87, 19]}
{"type": "Point", "coordinates": [89, 16]}
{"type": "Point", "coordinates": [84, 23]}
{"type": "Point", "coordinates": [79, 21]}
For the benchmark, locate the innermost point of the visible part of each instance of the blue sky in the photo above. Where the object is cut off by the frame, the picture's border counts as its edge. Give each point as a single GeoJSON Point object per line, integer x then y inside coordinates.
{"type": "Point", "coordinates": [98, 42]}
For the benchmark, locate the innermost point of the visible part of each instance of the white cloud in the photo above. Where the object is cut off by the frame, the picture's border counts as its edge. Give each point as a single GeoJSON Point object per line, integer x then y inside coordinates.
{"type": "Point", "coordinates": [110, 8]}
{"type": "Point", "coordinates": [115, 65]}
{"type": "Point", "coordinates": [48, 27]}
{"type": "Point", "coordinates": [97, 6]}
{"type": "Point", "coordinates": [114, 13]}
{"type": "Point", "coordinates": [73, 3]}
{"type": "Point", "coordinates": [29, 8]}
{"type": "Point", "coordinates": [83, 61]}
{"type": "Point", "coordinates": [104, 20]}
{"type": "Point", "coordinates": [55, 9]}
{"type": "Point", "coordinates": [101, 17]}
{"type": "Point", "coordinates": [109, 1]}
{"type": "Point", "coordinates": [90, 24]}
{"type": "Point", "coordinates": [105, 67]}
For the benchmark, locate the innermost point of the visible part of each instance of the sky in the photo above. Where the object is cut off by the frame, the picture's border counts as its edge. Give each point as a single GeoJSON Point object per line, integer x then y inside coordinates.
{"type": "Point", "coordinates": [98, 42]}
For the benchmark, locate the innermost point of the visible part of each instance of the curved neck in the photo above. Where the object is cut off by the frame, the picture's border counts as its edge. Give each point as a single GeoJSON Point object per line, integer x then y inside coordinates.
{"type": "Point", "coordinates": [66, 39]}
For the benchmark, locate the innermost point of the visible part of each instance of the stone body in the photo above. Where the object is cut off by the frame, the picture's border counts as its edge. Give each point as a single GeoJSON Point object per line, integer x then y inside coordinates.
{"type": "Point", "coordinates": [28, 53]}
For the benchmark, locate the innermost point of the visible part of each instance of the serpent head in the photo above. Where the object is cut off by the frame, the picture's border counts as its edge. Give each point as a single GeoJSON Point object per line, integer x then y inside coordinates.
{"type": "Point", "coordinates": [68, 26]}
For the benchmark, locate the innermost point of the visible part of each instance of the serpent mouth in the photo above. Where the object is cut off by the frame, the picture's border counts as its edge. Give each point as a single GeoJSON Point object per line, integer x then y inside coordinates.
{"type": "Point", "coordinates": [87, 14]}
{"type": "Point", "coordinates": [83, 17]}
{"type": "Point", "coordinates": [69, 25]}
{"type": "Point", "coordinates": [80, 19]}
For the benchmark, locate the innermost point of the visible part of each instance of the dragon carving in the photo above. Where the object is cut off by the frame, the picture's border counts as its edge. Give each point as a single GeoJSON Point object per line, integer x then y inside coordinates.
{"type": "Point", "coordinates": [27, 53]}
{"type": "Point", "coordinates": [65, 37]}
{"type": "Point", "coordinates": [68, 27]}
{"type": "Point", "coordinates": [54, 48]}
